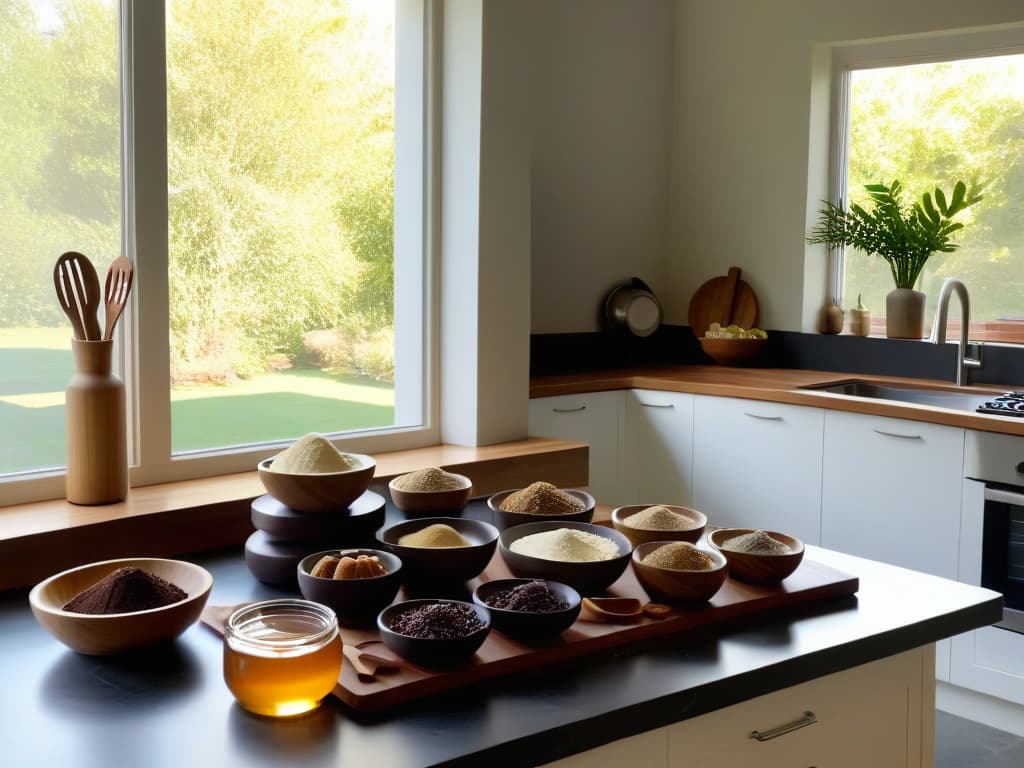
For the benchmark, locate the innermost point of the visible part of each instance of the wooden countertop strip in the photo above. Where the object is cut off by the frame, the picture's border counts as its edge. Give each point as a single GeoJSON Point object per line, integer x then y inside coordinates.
{"type": "Point", "coordinates": [782, 385]}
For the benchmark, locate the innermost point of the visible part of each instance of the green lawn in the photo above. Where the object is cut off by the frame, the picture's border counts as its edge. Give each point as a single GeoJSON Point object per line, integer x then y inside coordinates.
{"type": "Point", "coordinates": [35, 366]}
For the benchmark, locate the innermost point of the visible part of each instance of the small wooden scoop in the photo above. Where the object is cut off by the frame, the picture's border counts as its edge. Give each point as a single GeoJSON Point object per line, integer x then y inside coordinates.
{"type": "Point", "coordinates": [612, 610]}
{"type": "Point", "coordinates": [115, 292]}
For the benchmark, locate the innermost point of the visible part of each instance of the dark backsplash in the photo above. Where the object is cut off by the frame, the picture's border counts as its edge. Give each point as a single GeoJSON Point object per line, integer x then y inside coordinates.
{"type": "Point", "coordinates": [561, 353]}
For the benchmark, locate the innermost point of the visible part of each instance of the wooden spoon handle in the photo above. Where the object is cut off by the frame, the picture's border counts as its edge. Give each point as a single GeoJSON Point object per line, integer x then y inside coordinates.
{"type": "Point", "coordinates": [728, 296]}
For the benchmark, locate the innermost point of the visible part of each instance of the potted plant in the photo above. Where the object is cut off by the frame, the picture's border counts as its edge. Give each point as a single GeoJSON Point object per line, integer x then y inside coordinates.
{"type": "Point", "coordinates": [905, 236]}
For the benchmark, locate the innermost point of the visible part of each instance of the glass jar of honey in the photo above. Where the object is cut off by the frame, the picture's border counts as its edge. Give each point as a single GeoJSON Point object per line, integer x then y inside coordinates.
{"type": "Point", "coordinates": [281, 657]}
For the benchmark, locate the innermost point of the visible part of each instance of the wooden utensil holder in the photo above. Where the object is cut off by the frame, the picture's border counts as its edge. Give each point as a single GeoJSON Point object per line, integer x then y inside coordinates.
{"type": "Point", "coordinates": [97, 442]}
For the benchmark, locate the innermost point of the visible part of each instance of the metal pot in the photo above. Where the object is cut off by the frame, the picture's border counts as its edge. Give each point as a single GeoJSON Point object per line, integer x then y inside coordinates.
{"type": "Point", "coordinates": [632, 307]}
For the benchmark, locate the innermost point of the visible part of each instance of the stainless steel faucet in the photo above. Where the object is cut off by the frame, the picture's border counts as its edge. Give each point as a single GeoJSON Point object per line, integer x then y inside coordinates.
{"type": "Point", "coordinates": [938, 335]}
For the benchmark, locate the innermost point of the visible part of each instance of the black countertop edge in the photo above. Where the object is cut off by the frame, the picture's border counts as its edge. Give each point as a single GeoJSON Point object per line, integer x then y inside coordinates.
{"type": "Point", "coordinates": [693, 702]}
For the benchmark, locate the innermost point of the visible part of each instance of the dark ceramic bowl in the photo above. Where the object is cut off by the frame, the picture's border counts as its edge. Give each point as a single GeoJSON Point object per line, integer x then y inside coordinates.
{"type": "Point", "coordinates": [432, 502]}
{"type": "Point", "coordinates": [758, 568]}
{"type": "Point", "coordinates": [678, 586]}
{"type": "Point", "coordinates": [320, 492]}
{"type": "Point", "coordinates": [504, 519]}
{"type": "Point", "coordinates": [353, 527]}
{"type": "Point", "coordinates": [356, 601]}
{"type": "Point", "coordinates": [430, 652]}
{"type": "Point", "coordinates": [431, 565]}
{"type": "Point", "coordinates": [587, 578]}
{"type": "Point", "coordinates": [529, 625]}
{"type": "Point", "coordinates": [274, 562]}
{"type": "Point", "coordinates": [621, 520]}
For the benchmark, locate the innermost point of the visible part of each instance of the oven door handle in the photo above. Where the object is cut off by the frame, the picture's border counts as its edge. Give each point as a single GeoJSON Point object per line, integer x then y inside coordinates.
{"type": "Point", "coordinates": [1006, 497]}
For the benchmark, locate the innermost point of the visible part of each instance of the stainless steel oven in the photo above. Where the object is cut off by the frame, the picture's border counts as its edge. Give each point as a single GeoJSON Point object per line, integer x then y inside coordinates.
{"type": "Point", "coordinates": [1002, 550]}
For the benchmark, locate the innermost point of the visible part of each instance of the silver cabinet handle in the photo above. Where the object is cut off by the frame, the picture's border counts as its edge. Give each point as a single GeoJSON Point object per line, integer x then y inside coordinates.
{"type": "Point", "coordinates": [569, 410]}
{"type": "Point", "coordinates": [763, 418]}
{"type": "Point", "coordinates": [1020, 468]}
{"type": "Point", "coordinates": [897, 434]}
{"type": "Point", "coordinates": [809, 718]}
{"type": "Point", "coordinates": [657, 405]}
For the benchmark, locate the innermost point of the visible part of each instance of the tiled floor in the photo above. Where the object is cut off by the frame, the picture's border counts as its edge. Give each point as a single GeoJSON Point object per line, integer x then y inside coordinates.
{"type": "Point", "coordinates": [961, 743]}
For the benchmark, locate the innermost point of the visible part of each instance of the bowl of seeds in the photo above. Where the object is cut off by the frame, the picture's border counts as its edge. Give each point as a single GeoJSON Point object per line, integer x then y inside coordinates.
{"type": "Point", "coordinates": [433, 632]}
{"type": "Point", "coordinates": [540, 501]}
{"type": "Point", "coordinates": [440, 549]}
{"type": "Point", "coordinates": [758, 557]}
{"type": "Point", "coordinates": [529, 609]}
{"type": "Point", "coordinates": [678, 571]}
{"type": "Point", "coordinates": [430, 490]}
{"type": "Point", "coordinates": [659, 522]}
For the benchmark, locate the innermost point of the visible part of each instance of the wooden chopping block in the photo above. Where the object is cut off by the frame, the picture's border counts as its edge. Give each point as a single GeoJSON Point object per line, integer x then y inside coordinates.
{"type": "Point", "coordinates": [726, 300]}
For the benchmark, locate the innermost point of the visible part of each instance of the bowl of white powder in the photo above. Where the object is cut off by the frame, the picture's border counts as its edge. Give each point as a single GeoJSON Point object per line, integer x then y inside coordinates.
{"type": "Point", "coordinates": [311, 475]}
{"type": "Point", "coordinates": [589, 558]}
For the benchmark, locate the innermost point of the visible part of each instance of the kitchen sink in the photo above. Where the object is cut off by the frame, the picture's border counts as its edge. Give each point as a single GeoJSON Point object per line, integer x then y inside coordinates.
{"type": "Point", "coordinates": [959, 401]}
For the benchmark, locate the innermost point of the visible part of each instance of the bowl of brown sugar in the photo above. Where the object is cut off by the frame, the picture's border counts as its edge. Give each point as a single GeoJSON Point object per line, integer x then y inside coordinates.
{"type": "Point", "coordinates": [677, 571]}
{"type": "Point", "coordinates": [114, 606]}
{"type": "Point", "coordinates": [540, 501]}
{"type": "Point", "coordinates": [430, 490]}
{"type": "Point", "coordinates": [659, 522]}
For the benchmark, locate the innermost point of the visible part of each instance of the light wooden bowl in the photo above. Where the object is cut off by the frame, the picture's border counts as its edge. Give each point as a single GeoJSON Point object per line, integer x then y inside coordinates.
{"type": "Point", "coordinates": [432, 502]}
{"type": "Point", "coordinates": [638, 536]}
{"type": "Point", "coordinates": [106, 634]}
{"type": "Point", "coordinates": [675, 586]}
{"type": "Point", "coordinates": [504, 519]}
{"type": "Point", "coordinates": [319, 492]}
{"type": "Point", "coordinates": [758, 568]}
{"type": "Point", "coordinates": [732, 351]}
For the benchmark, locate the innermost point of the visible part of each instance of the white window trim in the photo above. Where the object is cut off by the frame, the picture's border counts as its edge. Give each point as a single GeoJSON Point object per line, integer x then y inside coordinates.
{"type": "Point", "coordinates": [145, 367]}
{"type": "Point", "coordinates": [893, 52]}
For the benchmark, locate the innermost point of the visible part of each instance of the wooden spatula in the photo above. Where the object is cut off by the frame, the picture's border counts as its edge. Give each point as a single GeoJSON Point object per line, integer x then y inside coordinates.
{"type": "Point", "coordinates": [78, 290]}
{"type": "Point", "coordinates": [115, 292]}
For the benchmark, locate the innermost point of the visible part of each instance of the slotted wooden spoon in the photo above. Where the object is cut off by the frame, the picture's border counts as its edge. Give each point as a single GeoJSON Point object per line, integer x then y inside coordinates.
{"type": "Point", "coordinates": [115, 292]}
{"type": "Point", "coordinates": [78, 290]}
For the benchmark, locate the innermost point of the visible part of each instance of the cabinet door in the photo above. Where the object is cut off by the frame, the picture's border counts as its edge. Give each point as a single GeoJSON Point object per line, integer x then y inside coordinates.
{"type": "Point", "coordinates": [891, 491]}
{"type": "Point", "coordinates": [592, 419]}
{"type": "Point", "coordinates": [657, 455]}
{"type": "Point", "coordinates": [758, 465]}
{"type": "Point", "coordinates": [649, 749]}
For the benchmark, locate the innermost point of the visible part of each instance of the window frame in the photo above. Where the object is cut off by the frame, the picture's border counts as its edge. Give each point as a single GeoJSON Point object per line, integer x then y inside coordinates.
{"type": "Point", "coordinates": [145, 367]}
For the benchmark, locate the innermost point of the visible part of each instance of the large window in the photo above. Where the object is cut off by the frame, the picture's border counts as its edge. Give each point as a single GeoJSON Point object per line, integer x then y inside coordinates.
{"type": "Point", "coordinates": [956, 112]}
{"type": "Point", "coordinates": [263, 163]}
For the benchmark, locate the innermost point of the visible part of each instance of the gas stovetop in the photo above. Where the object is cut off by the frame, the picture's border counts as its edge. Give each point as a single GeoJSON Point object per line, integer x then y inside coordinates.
{"type": "Point", "coordinates": [1010, 404]}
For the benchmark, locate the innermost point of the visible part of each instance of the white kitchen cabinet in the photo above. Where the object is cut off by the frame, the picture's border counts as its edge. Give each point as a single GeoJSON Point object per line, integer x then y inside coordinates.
{"type": "Point", "coordinates": [757, 464]}
{"type": "Point", "coordinates": [593, 419]}
{"type": "Point", "coordinates": [891, 491]}
{"type": "Point", "coordinates": [648, 749]}
{"type": "Point", "coordinates": [656, 465]}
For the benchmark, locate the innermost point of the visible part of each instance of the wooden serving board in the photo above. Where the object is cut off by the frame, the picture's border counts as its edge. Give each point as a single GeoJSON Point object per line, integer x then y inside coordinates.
{"type": "Point", "coordinates": [725, 300]}
{"type": "Point", "coordinates": [501, 656]}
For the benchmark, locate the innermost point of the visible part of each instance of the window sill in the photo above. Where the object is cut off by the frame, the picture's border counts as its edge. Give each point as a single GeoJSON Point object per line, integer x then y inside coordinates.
{"type": "Point", "coordinates": [42, 538]}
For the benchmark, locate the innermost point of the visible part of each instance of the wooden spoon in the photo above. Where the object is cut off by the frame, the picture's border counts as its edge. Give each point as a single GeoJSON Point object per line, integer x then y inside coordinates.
{"type": "Point", "coordinates": [78, 290]}
{"type": "Point", "coordinates": [115, 292]}
{"type": "Point", "coordinates": [614, 610]}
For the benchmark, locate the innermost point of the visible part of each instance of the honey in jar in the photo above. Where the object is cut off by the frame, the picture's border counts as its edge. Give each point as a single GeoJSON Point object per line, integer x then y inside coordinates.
{"type": "Point", "coordinates": [281, 657]}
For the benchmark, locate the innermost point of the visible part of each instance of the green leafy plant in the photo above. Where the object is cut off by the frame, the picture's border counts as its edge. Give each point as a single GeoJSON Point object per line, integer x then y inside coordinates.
{"type": "Point", "coordinates": [904, 235]}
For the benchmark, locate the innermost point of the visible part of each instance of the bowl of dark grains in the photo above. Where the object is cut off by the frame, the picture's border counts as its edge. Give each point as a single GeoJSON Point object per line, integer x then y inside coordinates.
{"type": "Point", "coordinates": [354, 583]}
{"type": "Point", "coordinates": [529, 609]}
{"type": "Point", "coordinates": [659, 522]}
{"type": "Point", "coordinates": [758, 557]}
{"type": "Point", "coordinates": [440, 549]}
{"type": "Point", "coordinates": [114, 606]}
{"type": "Point", "coordinates": [431, 490]}
{"type": "Point", "coordinates": [540, 501]}
{"type": "Point", "coordinates": [434, 633]}
{"type": "Point", "coordinates": [587, 557]}
{"type": "Point", "coordinates": [679, 572]}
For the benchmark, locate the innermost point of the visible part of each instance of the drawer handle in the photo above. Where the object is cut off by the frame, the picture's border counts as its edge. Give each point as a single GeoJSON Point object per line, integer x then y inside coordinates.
{"type": "Point", "coordinates": [897, 434]}
{"type": "Point", "coordinates": [657, 405]}
{"type": "Point", "coordinates": [763, 418]}
{"type": "Point", "coordinates": [569, 410]}
{"type": "Point", "coordinates": [1020, 468]}
{"type": "Point", "coordinates": [809, 718]}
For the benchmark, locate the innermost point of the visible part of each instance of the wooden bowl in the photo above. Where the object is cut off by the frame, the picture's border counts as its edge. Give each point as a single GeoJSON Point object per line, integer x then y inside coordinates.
{"type": "Point", "coordinates": [758, 568]}
{"type": "Point", "coordinates": [432, 502]}
{"type": "Point", "coordinates": [433, 565]}
{"type": "Point", "coordinates": [356, 602]}
{"type": "Point", "coordinates": [111, 633]}
{"type": "Point", "coordinates": [430, 652]}
{"type": "Point", "coordinates": [587, 578]}
{"type": "Point", "coordinates": [529, 625]}
{"type": "Point", "coordinates": [676, 586]}
{"type": "Point", "coordinates": [732, 351]}
{"type": "Point", "coordinates": [320, 492]}
{"type": "Point", "coordinates": [622, 515]}
{"type": "Point", "coordinates": [504, 519]}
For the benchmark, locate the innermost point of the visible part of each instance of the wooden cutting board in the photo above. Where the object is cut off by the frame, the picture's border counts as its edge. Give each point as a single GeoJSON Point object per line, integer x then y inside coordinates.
{"type": "Point", "coordinates": [727, 300]}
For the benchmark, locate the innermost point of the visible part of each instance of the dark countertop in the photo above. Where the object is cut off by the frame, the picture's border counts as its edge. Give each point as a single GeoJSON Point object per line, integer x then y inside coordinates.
{"type": "Point", "coordinates": [171, 708]}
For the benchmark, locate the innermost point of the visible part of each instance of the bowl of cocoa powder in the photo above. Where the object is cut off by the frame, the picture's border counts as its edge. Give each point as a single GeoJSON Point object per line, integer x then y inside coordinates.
{"type": "Point", "coordinates": [540, 501]}
{"type": "Point", "coordinates": [115, 606]}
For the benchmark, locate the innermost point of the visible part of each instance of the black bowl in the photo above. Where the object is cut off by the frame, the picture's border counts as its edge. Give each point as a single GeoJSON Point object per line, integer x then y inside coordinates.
{"type": "Point", "coordinates": [353, 527]}
{"type": "Point", "coordinates": [356, 601]}
{"type": "Point", "coordinates": [429, 652]}
{"type": "Point", "coordinates": [504, 519]}
{"type": "Point", "coordinates": [274, 562]}
{"type": "Point", "coordinates": [529, 625]}
{"type": "Point", "coordinates": [431, 565]}
{"type": "Point", "coordinates": [587, 578]}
